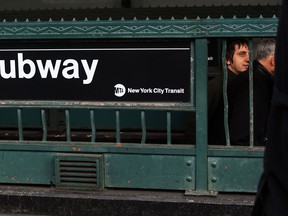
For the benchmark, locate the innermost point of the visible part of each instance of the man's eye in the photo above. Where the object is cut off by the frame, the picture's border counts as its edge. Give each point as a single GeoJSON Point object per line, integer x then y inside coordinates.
{"type": "Point", "coordinates": [242, 54]}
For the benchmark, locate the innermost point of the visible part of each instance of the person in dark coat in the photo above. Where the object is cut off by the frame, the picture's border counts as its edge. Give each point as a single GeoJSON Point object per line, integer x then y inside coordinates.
{"type": "Point", "coordinates": [237, 61]}
{"type": "Point", "coordinates": [272, 195]}
{"type": "Point", "coordinates": [238, 97]}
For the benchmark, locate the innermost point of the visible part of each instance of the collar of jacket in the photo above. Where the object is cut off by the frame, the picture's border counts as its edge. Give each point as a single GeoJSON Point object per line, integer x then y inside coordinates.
{"type": "Point", "coordinates": [262, 69]}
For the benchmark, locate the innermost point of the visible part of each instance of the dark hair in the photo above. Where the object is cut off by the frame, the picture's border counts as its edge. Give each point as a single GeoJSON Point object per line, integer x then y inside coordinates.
{"type": "Point", "coordinates": [230, 50]}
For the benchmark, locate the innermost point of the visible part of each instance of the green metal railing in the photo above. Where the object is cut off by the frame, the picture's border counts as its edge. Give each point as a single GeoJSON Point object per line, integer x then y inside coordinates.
{"type": "Point", "coordinates": [92, 126]}
{"type": "Point", "coordinates": [202, 169]}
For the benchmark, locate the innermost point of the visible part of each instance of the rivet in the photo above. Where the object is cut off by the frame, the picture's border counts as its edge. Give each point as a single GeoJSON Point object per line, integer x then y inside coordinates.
{"type": "Point", "coordinates": [188, 179]}
{"type": "Point", "coordinates": [214, 179]}
{"type": "Point", "coordinates": [214, 164]}
{"type": "Point", "coordinates": [189, 163]}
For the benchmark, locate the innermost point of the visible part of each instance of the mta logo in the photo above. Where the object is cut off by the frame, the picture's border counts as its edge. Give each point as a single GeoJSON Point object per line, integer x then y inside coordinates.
{"type": "Point", "coordinates": [119, 90]}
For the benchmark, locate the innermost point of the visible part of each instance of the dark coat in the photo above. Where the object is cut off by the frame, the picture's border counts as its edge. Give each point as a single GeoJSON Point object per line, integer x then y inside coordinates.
{"type": "Point", "coordinates": [216, 132]}
{"type": "Point", "coordinates": [272, 197]}
{"type": "Point", "coordinates": [239, 105]}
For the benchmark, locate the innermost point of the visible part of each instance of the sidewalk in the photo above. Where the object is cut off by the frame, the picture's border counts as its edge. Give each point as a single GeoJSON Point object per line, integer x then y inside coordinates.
{"type": "Point", "coordinates": [50, 201]}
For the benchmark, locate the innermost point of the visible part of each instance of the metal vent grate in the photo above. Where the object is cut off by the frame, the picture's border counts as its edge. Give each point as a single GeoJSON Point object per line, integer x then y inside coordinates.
{"type": "Point", "coordinates": [79, 171]}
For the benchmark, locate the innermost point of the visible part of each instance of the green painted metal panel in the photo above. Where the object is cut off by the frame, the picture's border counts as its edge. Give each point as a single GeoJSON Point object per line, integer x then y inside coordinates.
{"type": "Point", "coordinates": [26, 167]}
{"type": "Point", "coordinates": [150, 171]}
{"type": "Point", "coordinates": [234, 174]}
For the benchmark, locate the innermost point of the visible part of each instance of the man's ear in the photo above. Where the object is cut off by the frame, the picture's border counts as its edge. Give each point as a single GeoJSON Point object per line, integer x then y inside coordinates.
{"type": "Point", "coordinates": [272, 60]}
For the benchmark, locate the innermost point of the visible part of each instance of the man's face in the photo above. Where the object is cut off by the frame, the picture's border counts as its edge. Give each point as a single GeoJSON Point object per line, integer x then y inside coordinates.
{"type": "Point", "coordinates": [240, 60]}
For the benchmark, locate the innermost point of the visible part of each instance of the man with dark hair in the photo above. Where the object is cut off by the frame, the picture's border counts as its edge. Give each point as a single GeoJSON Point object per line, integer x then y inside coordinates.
{"type": "Point", "coordinates": [239, 106]}
{"type": "Point", "coordinates": [237, 61]}
{"type": "Point", "coordinates": [237, 55]}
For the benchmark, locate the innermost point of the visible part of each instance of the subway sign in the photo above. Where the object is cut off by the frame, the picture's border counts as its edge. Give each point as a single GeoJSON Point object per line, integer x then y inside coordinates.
{"type": "Point", "coordinates": [96, 72]}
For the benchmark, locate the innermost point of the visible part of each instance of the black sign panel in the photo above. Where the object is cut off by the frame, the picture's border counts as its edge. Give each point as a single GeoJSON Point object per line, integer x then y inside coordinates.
{"type": "Point", "coordinates": [114, 72]}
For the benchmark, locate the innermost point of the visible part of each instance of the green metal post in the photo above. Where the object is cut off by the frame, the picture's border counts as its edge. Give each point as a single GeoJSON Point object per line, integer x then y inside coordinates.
{"type": "Point", "coordinates": [143, 126]}
{"type": "Point", "coordinates": [169, 128]}
{"type": "Point", "coordinates": [68, 126]}
{"type": "Point", "coordinates": [225, 96]}
{"type": "Point", "coordinates": [93, 127]}
{"type": "Point", "coordinates": [201, 54]}
{"type": "Point", "coordinates": [44, 125]}
{"type": "Point", "coordinates": [192, 71]}
{"type": "Point", "coordinates": [118, 132]}
{"type": "Point", "coordinates": [20, 124]}
{"type": "Point", "coordinates": [251, 116]}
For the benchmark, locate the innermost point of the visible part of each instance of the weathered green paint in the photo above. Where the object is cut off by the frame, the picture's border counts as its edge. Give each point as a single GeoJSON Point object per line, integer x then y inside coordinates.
{"type": "Point", "coordinates": [225, 96]}
{"type": "Point", "coordinates": [117, 126]}
{"type": "Point", "coordinates": [251, 94]}
{"type": "Point", "coordinates": [192, 72]}
{"type": "Point", "coordinates": [99, 105]}
{"type": "Point", "coordinates": [201, 53]}
{"type": "Point", "coordinates": [169, 142]}
{"type": "Point", "coordinates": [185, 28]}
{"type": "Point", "coordinates": [93, 127]}
{"type": "Point", "coordinates": [143, 126]}
{"type": "Point", "coordinates": [44, 125]}
{"type": "Point", "coordinates": [135, 165]}
{"type": "Point", "coordinates": [19, 167]}
{"type": "Point", "coordinates": [150, 171]}
{"type": "Point", "coordinates": [234, 174]}
{"type": "Point", "coordinates": [84, 147]}
{"type": "Point", "coordinates": [236, 151]}
{"type": "Point", "coordinates": [68, 126]}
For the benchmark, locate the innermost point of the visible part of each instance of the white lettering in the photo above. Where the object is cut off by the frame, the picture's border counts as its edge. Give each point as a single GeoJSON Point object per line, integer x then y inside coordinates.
{"type": "Point", "coordinates": [158, 91]}
{"type": "Point", "coordinates": [27, 68]}
{"type": "Point", "coordinates": [174, 91]}
{"type": "Point", "coordinates": [89, 71]}
{"type": "Point", "coordinates": [143, 90]}
{"type": "Point", "coordinates": [21, 65]}
{"type": "Point", "coordinates": [131, 90]}
{"type": "Point", "coordinates": [12, 73]}
{"type": "Point", "coordinates": [54, 70]}
{"type": "Point", "coordinates": [74, 68]}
